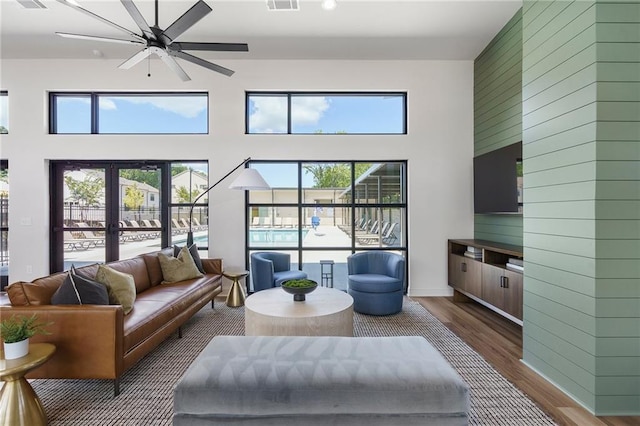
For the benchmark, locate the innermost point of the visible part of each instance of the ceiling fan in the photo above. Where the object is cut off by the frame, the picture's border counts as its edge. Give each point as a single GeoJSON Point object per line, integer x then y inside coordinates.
{"type": "Point", "coordinates": [161, 42]}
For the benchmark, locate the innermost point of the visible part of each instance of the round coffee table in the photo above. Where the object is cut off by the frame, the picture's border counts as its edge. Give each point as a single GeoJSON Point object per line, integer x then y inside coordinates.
{"type": "Point", "coordinates": [21, 405]}
{"type": "Point", "coordinates": [325, 312]}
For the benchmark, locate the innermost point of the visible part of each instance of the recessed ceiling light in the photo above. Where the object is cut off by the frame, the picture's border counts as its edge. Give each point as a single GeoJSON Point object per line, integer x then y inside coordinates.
{"type": "Point", "coordinates": [329, 4]}
{"type": "Point", "coordinates": [280, 5]}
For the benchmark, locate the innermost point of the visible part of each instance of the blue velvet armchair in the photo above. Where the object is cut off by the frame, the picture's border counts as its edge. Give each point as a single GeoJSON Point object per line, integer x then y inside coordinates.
{"type": "Point", "coordinates": [271, 269]}
{"type": "Point", "coordinates": [376, 282]}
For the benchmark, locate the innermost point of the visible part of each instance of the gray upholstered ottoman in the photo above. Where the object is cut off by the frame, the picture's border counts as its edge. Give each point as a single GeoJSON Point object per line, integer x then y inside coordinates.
{"type": "Point", "coordinates": [300, 380]}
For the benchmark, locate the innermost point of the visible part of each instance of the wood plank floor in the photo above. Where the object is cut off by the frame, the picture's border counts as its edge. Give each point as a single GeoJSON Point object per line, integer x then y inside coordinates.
{"type": "Point", "coordinates": [499, 341]}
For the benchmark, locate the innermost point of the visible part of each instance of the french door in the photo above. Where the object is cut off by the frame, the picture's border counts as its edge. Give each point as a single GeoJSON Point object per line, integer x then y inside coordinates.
{"type": "Point", "coordinates": [103, 211]}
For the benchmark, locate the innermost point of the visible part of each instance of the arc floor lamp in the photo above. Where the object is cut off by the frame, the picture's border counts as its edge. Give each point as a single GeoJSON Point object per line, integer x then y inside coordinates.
{"type": "Point", "coordinates": [248, 179]}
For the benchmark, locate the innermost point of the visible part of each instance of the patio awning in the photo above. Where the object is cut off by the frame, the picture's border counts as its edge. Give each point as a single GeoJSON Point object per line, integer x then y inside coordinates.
{"type": "Point", "coordinates": [382, 182]}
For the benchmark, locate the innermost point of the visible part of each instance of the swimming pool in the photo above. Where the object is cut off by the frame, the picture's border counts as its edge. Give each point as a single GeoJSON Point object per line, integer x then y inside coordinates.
{"type": "Point", "coordinates": [264, 237]}
{"type": "Point", "coordinates": [275, 236]}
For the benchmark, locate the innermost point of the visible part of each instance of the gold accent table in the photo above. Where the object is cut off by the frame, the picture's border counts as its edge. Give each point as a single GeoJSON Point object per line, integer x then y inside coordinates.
{"type": "Point", "coordinates": [325, 312]}
{"type": "Point", "coordinates": [19, 404]}
{"type": "Point", "coordinates": [236, 296]}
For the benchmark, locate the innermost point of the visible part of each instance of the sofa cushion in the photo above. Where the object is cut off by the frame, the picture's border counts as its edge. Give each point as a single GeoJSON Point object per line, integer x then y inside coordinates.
{"type": "Point", "coordinates": [160, 304]}
{"type": "Point", "coordinates": [153, 265]}
{"type": "Point", "coordinates": [193, 250]}
{"type": "Point", "coordinates": [176, 269]}
{"type": "Point", "coordinates": [120, 286]}
{"type": "Point", "coordinates": [374, 283]}
{"type": "Point", "coordinates": [27, 294]}
{"type": "Point", "coordinates": [78, 290]}
{"type": "Point", "coordinates": [137, 268]}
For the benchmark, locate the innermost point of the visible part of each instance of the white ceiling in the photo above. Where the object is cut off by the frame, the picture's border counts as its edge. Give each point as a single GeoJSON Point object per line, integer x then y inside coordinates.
{"type": "Point", "coordinates": [356, 29]}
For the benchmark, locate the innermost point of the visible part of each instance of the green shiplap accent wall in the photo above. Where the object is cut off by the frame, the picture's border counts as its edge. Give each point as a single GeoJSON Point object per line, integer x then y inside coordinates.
{"type": "Point", "coordinates": [581, 221]}
{"type": "Point", "coordinates": [498, 116]}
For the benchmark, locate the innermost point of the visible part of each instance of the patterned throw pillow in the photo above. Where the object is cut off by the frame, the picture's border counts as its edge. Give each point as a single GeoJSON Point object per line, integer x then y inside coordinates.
{"type": "Point", "coordinates": [78, 290]}
{"type": "Point", "coordinates": [120, 286]}
{"type": "Point", "coordinates": [178, 268]}
{"type": "Point", "coordinates": [193, 250]}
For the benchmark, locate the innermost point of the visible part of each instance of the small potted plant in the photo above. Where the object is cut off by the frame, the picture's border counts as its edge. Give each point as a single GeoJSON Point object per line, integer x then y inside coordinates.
{"type": "Point", "coordinates": [16, 331]}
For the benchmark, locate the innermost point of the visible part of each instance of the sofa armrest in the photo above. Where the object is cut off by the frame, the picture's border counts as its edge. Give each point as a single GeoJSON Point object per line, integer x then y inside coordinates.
{"type": "Point", "coordinates": [88, 340]}
{"type": "Point", "coordinates": [212, 266]}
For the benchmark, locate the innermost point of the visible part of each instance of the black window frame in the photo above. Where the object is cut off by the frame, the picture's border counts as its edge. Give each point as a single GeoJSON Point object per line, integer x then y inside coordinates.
{"type": "Point", "coordinates": [290, 94]}
{"type": "Point", "coordinates": [95, 110]}
{"type": "Point", "coordinates": [353, 206]}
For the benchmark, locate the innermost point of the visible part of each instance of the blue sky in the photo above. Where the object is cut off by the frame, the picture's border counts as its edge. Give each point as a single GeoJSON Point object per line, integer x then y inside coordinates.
{"type": "Point", "coordinates": [329, 114]}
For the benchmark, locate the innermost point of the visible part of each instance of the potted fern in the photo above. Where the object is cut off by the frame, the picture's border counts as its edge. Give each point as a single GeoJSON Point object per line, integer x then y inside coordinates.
{"type": "Point", "coordinates": [16, 331]}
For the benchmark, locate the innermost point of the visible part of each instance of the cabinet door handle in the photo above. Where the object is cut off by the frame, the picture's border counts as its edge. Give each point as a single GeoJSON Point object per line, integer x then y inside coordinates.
{"type": "Point", "coordinates": [505, 282]}
{"type": "Point", "coordinates": [463, 267]}
{"type": "Point", "coordinates": [501, 281]}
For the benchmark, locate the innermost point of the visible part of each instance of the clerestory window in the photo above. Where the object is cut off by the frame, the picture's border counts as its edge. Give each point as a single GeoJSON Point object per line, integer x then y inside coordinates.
{"type": "Point", "coordinates": [128, 113]}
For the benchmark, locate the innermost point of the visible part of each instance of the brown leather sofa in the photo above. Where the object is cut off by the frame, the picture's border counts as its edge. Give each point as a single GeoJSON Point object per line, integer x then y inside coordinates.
{"type": "Point", "coordinates": [99, 341]}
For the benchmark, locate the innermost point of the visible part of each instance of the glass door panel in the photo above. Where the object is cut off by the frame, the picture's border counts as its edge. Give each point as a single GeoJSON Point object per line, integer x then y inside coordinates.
{"type": "Point", "coordinates": [139, 219]}
{"type": "Point", "coordinates": [84, 217]}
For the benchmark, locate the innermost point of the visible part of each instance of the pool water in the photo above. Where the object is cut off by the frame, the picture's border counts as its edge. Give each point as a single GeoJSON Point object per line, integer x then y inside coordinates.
{"type": "Point", "coordinates": [267, 237]}
{"type": "Point", "coordinates": [275, 235]}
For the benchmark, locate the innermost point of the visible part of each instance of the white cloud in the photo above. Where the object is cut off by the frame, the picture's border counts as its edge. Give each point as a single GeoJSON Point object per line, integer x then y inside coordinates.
{"type": "Point", "coordinates": [107, 104]}
{"type": "Point", "coordinates": [188, 107]}
{"type": "Point", "coordinates": [270, 113]}
{"type": "Point", "coordinates": [308, 109]}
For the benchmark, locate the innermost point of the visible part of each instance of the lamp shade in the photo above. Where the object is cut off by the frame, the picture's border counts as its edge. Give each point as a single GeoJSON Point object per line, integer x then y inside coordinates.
{"type": "Point", "coordinates": [249, 179]}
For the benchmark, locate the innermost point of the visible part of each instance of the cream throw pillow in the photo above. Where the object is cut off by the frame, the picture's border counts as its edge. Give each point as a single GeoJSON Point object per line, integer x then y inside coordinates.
{"type": "Point", "coordinates": [175, 269]}
{"type": "Point", "coordinates": [120, 286]}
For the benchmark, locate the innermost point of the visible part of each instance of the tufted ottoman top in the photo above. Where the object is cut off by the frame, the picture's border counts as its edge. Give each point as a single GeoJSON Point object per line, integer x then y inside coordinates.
{"type": "Point", "coordinates": [240, 376]}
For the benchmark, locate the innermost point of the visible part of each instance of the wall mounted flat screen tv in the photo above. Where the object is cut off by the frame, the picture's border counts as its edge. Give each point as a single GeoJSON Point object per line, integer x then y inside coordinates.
{"type": "Point", "coordinates": [497, 180]}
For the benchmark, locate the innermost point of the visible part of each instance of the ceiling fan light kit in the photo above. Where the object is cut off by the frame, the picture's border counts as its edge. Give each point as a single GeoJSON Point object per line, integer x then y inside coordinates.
{"type": "Point", "coordinates": [159, 42]}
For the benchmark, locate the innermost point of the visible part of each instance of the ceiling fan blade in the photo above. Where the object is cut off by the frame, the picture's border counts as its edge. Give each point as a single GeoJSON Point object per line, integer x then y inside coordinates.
{"type": "Point", "coordinates": [144, 53]}
{"type": "Point", "coordinates": [171, 63]}
{"type": "Point", "coordinates": [138, 19]}
{"type": "Point", "coordinates": [186, 21]}
{"type": "Point", "coordinates": [96, 38]}
{"type": "Point", "coordinates": [211, 47]}
{"type": "Point", "coordinates": [77, 7]}
{"type": "Point", "coordinates": [201, 62]}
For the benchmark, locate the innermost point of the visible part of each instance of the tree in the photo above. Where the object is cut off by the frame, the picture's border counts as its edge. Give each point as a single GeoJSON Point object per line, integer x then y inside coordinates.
{"type": "Point", "coordinates": [182, 193]}
{"type": "Point", "coordinates": [86, 192]}
{"type": "Point", "coordinates": [133, 197]}
{"type": "Point", "coordinates": [150, 177]}
{"type": "Point", "coordinates": [334, 175]}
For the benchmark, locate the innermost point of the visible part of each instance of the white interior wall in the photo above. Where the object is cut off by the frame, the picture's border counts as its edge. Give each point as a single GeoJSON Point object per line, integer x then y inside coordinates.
{"type": "Point", "coordinates": [438, 147]}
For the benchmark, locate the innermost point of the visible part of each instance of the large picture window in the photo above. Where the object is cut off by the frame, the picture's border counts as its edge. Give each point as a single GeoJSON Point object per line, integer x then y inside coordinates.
{"type": "Point", "coordinates": [326, 113]}
{"type": "Point", "coordinates": [129, 113]}
{"type": "Point", "coordinates": [322, 212]}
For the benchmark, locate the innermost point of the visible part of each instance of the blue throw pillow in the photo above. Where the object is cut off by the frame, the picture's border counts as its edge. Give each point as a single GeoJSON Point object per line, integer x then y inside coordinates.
{"type": "Point", "coordinates": [78, 290]}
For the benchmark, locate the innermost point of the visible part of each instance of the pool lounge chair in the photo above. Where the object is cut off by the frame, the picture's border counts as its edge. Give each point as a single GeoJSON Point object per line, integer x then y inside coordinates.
{"type": "Point", "coordinates": [72, 243]}
{"type": "Point", "coordinates": [90, 235]}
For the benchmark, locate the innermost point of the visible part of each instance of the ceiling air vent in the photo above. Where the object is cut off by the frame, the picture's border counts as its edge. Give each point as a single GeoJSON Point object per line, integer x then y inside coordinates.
{"type": "Point", "coordinates": [283, 4]}
{"type": "Point", "coordinates": [31, 4]}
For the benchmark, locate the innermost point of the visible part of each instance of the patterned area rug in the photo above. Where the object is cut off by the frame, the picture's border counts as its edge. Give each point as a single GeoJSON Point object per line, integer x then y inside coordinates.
{"type": "Point", "coordinates": [146, 389]}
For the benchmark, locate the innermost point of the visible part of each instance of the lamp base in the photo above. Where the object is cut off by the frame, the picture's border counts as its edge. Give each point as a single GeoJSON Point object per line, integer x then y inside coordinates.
{"type": "Point", "coordinates": [189, 238]}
